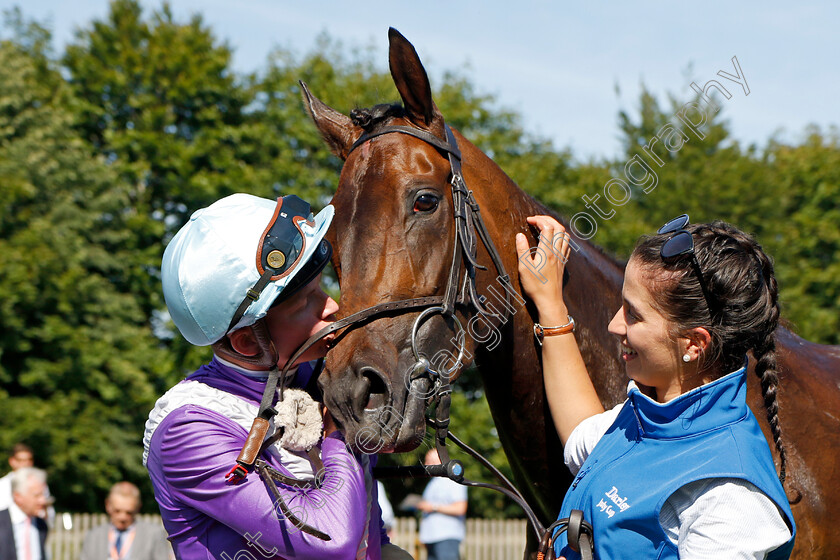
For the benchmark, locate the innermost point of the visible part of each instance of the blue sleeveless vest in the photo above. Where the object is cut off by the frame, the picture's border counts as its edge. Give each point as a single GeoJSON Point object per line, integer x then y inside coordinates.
{"type": "Point", "coordinates": [652, 450]}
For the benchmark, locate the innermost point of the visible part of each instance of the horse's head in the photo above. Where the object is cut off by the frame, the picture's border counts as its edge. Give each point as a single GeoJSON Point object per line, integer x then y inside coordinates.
{"type": "Point", "coordinates": [393, 239]}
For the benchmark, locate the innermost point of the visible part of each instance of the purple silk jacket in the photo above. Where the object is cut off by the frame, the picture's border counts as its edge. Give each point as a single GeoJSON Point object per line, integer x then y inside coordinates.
{"type": "Point", "coordinates": [193, 448]}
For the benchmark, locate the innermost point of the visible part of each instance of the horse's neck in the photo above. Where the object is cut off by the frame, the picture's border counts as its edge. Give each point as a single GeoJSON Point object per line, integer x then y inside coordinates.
{"type": "Point", "coordinates": [592, 293]}
{"type": "Point", "coordinates": [505, 207]}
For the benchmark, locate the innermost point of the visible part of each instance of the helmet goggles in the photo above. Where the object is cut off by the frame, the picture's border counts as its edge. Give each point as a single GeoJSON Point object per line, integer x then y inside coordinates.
{"type": "Point", "coordinates": [283, 245]}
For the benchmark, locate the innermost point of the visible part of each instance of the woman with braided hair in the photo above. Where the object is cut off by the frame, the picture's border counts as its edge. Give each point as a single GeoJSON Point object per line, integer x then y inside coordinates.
{"type": "Point", "coordinates": [680, 469]}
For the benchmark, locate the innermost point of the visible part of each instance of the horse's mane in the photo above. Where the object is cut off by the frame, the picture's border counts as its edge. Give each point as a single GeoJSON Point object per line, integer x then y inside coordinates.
{"type": "Point", "coordinates": [371, 118]}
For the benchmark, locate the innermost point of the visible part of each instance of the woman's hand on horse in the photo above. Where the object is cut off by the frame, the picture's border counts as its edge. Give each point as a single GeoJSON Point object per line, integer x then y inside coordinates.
{"type": "Point", "coordinates": [541, 268]}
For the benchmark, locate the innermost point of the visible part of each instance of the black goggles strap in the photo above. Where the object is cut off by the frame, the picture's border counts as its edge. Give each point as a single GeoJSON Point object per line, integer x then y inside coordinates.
{"type": "Point", "coordinates": [251, 296]}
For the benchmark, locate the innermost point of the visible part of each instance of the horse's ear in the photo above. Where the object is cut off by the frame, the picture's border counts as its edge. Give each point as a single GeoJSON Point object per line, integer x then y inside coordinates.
{"type": "Point", "coordinates": [413, 83]}
{"type": "Point", "coordinates": [337, 129]}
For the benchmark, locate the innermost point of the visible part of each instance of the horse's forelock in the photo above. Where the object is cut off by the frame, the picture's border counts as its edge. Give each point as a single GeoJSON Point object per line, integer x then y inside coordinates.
{"type": "Point", "coordinates": [370, 119]}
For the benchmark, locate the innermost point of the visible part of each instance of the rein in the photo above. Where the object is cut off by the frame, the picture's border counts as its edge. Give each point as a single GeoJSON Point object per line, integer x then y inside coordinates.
{"type": "Point", "coordinates": [469, 228]}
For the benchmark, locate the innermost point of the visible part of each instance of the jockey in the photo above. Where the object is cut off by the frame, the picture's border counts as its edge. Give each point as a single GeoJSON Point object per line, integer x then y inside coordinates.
{"type": "Point", "coordinates": [243, 275]}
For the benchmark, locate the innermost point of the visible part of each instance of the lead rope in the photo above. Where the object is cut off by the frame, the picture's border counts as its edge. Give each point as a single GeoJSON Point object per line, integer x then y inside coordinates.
{"type": "Point", "coordinates": [270, 475]}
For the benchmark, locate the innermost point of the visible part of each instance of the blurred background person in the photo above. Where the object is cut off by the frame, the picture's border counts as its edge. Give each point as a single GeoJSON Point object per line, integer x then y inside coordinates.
{"type": "Point", "coordinates": [23, 532]}
{"type": "Point", "coordinates": [388, 518]}
{"type": "Point", "coordinates": [444, 507]}
{"type": "Point", "coordinates": [125, 537]}
{"type": "Point", "coordinates": [20, 457]}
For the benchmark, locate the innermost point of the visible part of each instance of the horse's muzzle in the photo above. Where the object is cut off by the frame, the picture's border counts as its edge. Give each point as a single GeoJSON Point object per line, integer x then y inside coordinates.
{"type": "Point", "coordinates": [377, 414]}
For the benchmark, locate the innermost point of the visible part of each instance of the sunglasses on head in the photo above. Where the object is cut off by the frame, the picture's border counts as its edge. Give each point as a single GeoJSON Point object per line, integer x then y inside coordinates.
{"type": "Point", "coordinates": [682, 243]}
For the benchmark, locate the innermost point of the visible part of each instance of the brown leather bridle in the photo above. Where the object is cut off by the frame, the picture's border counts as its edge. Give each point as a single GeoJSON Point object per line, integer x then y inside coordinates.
{"type": "Point", "coordinates": [469, 228]}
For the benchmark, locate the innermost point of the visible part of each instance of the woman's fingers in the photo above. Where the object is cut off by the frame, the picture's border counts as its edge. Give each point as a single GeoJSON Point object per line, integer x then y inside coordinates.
{"type": "Point", "coordinates": [553, 241]}
{"type": "Point", "coordinates": [543, 222]}
{"type": "Point", "coordinates": [522, 246]}
{"type": "Point", "coordinates": [541, 267]}
{"type": "Point", "coordinates": [553, 235]}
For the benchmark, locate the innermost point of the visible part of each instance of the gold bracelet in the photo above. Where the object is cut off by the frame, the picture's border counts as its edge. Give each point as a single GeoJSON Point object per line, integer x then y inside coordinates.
{"type": "Point", "coordinates": [540, 331]}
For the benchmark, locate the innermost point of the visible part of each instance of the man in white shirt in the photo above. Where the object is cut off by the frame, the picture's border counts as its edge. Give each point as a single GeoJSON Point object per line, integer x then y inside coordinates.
{"type": "Point", "coordinates": [23, 533]}
{"type": "Point", "coordinates": [444, 508]}
{"type": "Point", "coordinates": [385, 507]}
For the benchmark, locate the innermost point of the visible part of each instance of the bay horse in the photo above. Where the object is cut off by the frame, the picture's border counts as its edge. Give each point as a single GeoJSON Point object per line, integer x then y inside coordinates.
{"type": "Point", "coordinates": [393, 238]}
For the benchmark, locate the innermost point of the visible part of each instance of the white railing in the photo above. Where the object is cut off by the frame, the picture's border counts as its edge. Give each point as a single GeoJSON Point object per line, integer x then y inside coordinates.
{"type": "Point", "coordinates": [487, 539]}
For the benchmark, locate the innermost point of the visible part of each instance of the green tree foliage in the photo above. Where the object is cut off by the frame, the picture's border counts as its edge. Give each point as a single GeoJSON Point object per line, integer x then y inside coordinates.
{"type": "Point", "coordinates": [160, 102]}
{"type": "Point", "coordinates": [802, 231]}
{"type": "Point", "coordinates": [343, 78]}
{"type": "Point", "coordinates": [787, 196]}
{"type": "Point", "coordinates": [160, 99]}
{"type": "Point", "coordinates": [78, 362]}
{"type": "Point", "coordinates": [705, 176]}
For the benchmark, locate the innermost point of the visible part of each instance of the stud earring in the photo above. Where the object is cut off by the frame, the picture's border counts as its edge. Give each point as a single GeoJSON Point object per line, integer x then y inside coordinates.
{"type": "Point", "coordinates": [686, 358]}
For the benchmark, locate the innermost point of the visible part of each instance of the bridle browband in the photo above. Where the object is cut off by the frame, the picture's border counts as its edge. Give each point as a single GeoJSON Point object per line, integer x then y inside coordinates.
{"type": "Point", "coordinates": [469, 228]}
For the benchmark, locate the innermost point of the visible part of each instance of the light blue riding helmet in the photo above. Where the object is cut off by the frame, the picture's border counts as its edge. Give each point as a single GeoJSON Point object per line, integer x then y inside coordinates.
{"type": "Point", "coordinates": [236, 258]}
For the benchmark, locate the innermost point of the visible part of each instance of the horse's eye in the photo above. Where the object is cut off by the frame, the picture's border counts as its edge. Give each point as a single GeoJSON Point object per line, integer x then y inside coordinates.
{"type": "Point", "coordinates": [426, 203]}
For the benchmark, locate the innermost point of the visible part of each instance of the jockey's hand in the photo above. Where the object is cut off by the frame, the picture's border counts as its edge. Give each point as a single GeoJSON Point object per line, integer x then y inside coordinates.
{"type": "Point", "coordinates": [329, 423]}
{"type": "Point", "coordinates": [541, 268]}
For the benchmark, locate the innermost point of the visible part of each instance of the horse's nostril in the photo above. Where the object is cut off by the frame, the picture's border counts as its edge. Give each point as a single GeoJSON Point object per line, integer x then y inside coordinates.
{"type": "Point", "coordinates": [376, 389]}
{"type": "Point", "coordinates": [376, 383]}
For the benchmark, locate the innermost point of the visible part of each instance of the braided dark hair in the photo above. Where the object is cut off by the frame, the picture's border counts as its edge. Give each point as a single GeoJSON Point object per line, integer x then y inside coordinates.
{"type": "Point", "coordinates": [739, 278]}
